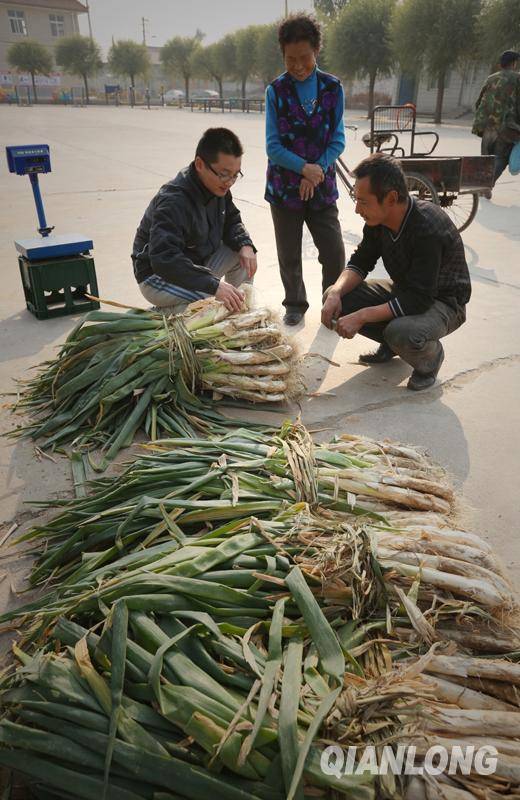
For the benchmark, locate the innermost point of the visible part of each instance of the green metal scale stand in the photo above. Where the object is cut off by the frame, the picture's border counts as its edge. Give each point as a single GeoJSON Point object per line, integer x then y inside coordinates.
{"type": "Point", "coordinates": [57, 270]}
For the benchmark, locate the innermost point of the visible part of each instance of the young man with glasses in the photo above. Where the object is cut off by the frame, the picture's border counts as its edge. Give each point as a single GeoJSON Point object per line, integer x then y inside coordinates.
{"type": "Point", "coordinates": [191, 241]}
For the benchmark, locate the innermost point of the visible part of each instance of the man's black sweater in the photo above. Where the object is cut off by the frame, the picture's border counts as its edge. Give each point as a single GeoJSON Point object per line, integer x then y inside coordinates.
{"type": "Point", "coordinates": [425, 259]}
{"type": "Point", "coordinates": [181, 228]}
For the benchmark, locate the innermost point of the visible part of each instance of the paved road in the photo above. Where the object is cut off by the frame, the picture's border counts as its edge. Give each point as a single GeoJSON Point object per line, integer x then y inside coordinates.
{"type": "Point", "coordinates": [109, 162]}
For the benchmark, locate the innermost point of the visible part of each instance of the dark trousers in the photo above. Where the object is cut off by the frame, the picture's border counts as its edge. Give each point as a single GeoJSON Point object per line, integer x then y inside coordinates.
{"type": "Point", "coordinates": [326, 234]}
{"type": "Point", "coordinates": [415, 338]}
{"type": "Point", "coordinates": [493, 145]}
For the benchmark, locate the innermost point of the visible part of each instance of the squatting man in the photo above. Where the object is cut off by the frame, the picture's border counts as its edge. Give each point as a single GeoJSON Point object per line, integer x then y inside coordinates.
{"type": "Point", "coordinates": [192, 235]}
{"type": "Point", "coordinates": [428, 288]}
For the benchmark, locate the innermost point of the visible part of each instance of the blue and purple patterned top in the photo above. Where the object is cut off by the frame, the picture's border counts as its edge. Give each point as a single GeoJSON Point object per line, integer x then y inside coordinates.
{"type": "Point", "coordinates": [305, 137]}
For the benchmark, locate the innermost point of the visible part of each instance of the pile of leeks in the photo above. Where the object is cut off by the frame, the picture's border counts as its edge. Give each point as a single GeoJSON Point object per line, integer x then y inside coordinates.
{"type": "Point", "coordinates": [121, 372]}
{"type": "Point", "coordinates": [215, 616]}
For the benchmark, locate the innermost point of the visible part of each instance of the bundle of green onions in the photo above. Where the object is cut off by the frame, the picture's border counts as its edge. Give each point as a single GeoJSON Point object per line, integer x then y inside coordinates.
{"type": "Point", "coordinates": [193, 482]}
{"type": "Point", "coordinates": [170, 701]}
{"type": "Point", "coordinates": [474, 703]}
{"type": "Point", "coordinates": [137, 530]}
{"type": "Point", "coordinates": [226, 608]}
{"type": "Point", "coordinates": [120, 372]}
{"type": "Point", "coordinates": [418, 703]}
{"type": "Point", "coordinates": [171, 704]}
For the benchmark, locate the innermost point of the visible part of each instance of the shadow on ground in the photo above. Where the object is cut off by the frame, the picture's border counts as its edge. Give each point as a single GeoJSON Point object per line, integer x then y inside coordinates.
{"type": "Point", "coordinates": [357, 407]}
{"type": "Point", "coordinates": [501, 219]}
{"type": "Point", "coordinates": [23, 335]}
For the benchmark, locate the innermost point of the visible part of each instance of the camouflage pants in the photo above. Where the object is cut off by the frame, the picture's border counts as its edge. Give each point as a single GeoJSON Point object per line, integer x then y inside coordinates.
{"type": "Point", "coordinates": [494, 145]}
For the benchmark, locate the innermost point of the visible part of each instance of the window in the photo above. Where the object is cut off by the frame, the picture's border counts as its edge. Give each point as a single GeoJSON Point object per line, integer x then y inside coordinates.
{"type": "Point", "coordinates": [57, 24]}
{"type": "Point", "coordinates": [17, 22]}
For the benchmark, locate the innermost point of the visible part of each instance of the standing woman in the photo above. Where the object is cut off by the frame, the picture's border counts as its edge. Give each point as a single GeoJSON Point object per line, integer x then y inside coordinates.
{"type": "Point", "coordinates": [305, 135]}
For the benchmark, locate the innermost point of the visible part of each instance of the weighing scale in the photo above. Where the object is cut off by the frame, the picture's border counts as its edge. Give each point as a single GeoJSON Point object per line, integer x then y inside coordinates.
{"type": "Point", "coordinates": [57, 270]}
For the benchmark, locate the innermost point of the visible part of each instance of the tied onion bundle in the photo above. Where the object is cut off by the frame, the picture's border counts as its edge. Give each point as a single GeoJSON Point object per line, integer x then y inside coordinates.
{"type": "Point", "coordinates": [120, 372]}
{"type": "Point", "coordinates": [171, 697]}
{"type": "Point", "coordinates": [162, 509]}
{"type": "Point", "coordinates": [224, 609]}
{"type": "Point", "coordinates": [174, 703]}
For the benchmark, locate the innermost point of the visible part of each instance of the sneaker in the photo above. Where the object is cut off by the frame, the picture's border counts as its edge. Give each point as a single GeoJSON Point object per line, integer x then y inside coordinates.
{"type": "Point", "coordinates": [420, 380]}
{"type": "Point", "coordinates": [380, 356]}
{"type": "Point", "coordinates": [292, 317]}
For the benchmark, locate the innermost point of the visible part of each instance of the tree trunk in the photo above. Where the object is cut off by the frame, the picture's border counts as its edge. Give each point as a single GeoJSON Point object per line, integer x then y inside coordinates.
{"type": "Point", "coordinates": [371, 84]}
{"type": "Point", "coordinates": [34, 87]}
{"type": "Point", "coordinates": [187, 87]}
{"type": "Point", "coordinates": [85, 81]}
{"type": "Point", "coordinates": [244, 81]}
{"type": "Point", "coordinates": [440, 97]}
{"type": "Point", "coordinates": [465, 78]}
{"type": "Point", "coordinates": [220, 88]}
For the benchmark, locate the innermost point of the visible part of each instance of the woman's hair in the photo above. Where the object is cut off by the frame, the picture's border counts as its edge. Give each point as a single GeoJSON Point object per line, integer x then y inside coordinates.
{"type": "Point", "coordinates": [299, 28]}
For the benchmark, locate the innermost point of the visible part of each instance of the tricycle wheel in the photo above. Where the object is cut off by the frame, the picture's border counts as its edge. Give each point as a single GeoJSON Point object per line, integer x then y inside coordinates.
{"type": "Point", "coordinates": [461, 208]}
{"type": "Point", "coordinates": [421, 187]}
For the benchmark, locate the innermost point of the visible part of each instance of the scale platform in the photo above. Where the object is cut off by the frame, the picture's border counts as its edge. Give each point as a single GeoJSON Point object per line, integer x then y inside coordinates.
{"type": "Point", "coordinates": [55, 245]}
{"type": "Point", "coordinates": [57, 270]}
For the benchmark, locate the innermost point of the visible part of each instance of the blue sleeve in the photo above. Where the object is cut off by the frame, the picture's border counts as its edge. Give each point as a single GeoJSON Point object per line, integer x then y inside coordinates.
{"type": "Point", "coordinates": [276, 152]}
{"type": "Point", "coordinates": [337, 142]}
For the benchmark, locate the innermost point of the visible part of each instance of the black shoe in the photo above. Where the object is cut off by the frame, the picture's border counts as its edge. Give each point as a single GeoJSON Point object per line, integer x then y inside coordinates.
{"type": "Point", "coordinates": [419, 381]}
{"type": "Point", "coordinates": [380, 356]}
{"type": "Point", "coordinates": [292, 317]}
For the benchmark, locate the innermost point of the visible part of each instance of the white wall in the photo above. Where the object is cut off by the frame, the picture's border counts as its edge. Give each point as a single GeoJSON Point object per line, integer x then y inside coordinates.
{"type": "Point", "coordinates": [459, 97]}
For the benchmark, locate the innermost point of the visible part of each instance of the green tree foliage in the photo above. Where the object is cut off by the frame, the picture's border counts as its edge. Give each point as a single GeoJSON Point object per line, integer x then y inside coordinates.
{"type": "Point", "coordinates": [269, 61]}
{"type": "Point", "coordinates": [229, 55]}
{"type": "Point", "coordinates": [31, 57]}
{"type": "Point", "coordinates": [323, 54]}
{"type": "Point", "coordinates": [129, 59]}
{"type": "Point", "coordinates": [436, 35]}
{"type": "Point", "coordinates": [245, 54]}
{"type": "Point", "coordinates": [358, 42]}
{"type": "Point", "coordinates": [328, 10]}
{"type": "Point", "coordinates": [213, 62]}
{"type": "Point", "coordinates": [178, 57]}
{"type": "Point", "coordinates": [79, 55]}
{"type": "Point", "coordinates": [498, 28]}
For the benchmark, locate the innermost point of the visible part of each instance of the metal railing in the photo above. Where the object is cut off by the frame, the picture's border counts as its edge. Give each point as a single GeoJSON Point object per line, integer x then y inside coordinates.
{"type": "Point", "coordinates": [245, 104]}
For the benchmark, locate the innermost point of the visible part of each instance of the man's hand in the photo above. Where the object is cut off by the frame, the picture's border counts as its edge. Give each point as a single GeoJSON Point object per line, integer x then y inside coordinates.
{"type": "Point", "coordinates": [331, 308]}
{"type": "Point", "coordinates": [313, 173]}
{"type": "Point", "coordinates": [349, 325]}
{"type": "Point", "coordinates": [306, 189]}
{"type": "Point", "coordinates": [232, 297]}
{"type": "Point", "coordinates": [248, 259]}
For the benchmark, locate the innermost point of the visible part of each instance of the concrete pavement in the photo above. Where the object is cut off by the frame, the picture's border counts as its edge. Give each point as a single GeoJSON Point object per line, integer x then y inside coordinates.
{"type": "Point", "coordinates": [108, 163]}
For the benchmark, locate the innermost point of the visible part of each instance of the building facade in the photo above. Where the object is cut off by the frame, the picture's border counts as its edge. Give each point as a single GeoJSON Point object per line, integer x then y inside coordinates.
{"type": "Point", "coordinates": [43, 21]}
{"type": "Point", "coordinates": [461, 91]}
{"type": "Point", "coordinates": [462, 88]}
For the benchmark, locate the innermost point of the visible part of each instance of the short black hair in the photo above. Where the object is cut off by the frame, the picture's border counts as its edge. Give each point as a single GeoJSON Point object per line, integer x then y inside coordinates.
{"type": "Point", "coordinates": [386, 175]}
{"type": "Point", "coordinates": [509, 57]}
{"type": "Point", "coordinates": [299, 28]}
{"type": "Point", "coordinates": [218, 140]}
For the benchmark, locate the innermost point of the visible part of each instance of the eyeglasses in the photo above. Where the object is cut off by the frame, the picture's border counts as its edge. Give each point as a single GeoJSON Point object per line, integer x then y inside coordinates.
{"type": "Point", "coordinates": [225, 177]}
